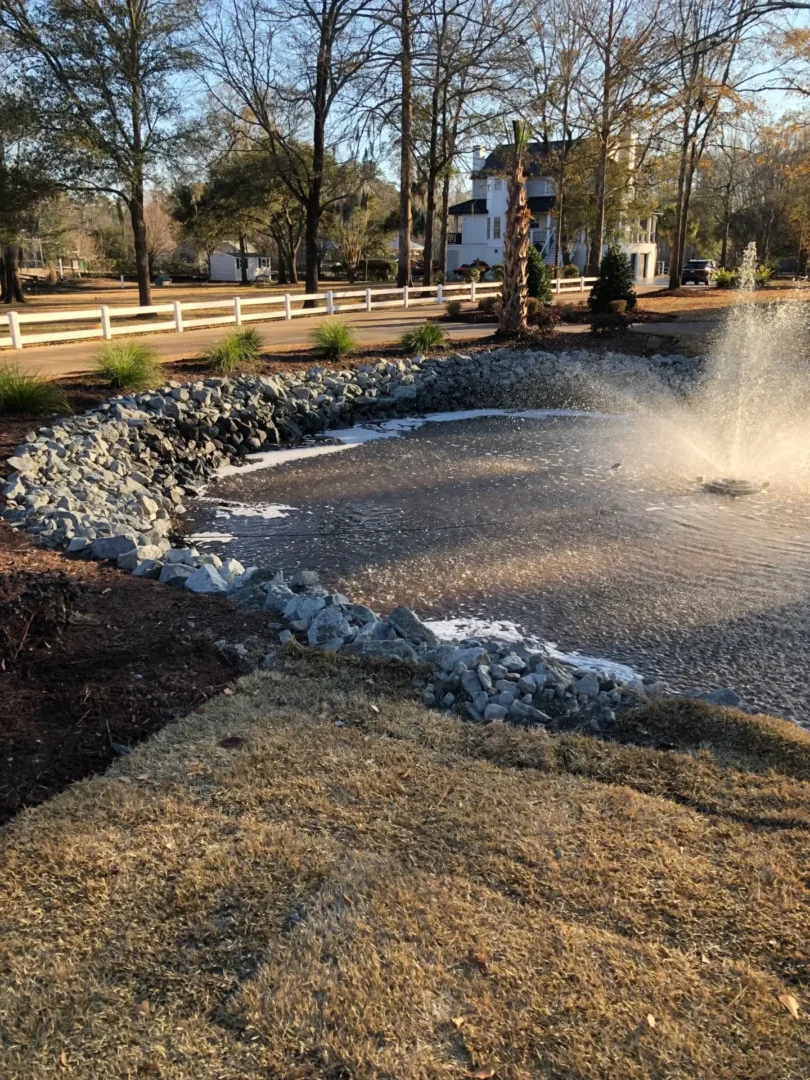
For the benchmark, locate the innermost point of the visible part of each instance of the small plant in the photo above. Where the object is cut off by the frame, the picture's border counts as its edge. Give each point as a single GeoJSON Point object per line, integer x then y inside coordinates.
{"type": "Point", "coordinates": [424, 338]}
{"type": "Point", "coordinates": [487, 303]}
{"type": "Point", "coordinates": [538, 276]}
{"type": "Point", "coordinates": [237, 352]}
{"type": "Point", "coordinates": [334, 339]}
{"type": "Point", "coordinates": [30, 395]}
{"type": "Point", "coordinates": [762, 275]}
{"type": "Point", "coordinates": [725, 279]}
{"type": "Point", "coordinates": [497, 272]}
{"type": "Point", "coordinates": [607, 322]}
{"type": "Point", "coordinates": [618, 306]}
{"type": "Point", "coordinates": [454, 308]}
{"type": "Point", "coordinates": [571, 270]}
{"type": "Point", "coordinates": [472, 273]}
{"type": "Point", "coordinates": [533, 306]}
{"type": "Point", "coordinates": [127, 365]}
{"type": "Point", "coordinates": [615, 282]}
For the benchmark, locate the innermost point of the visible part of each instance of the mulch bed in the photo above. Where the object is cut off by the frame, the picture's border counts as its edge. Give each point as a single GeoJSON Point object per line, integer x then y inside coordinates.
{"type": "Point", "coordinates": [93, 657]}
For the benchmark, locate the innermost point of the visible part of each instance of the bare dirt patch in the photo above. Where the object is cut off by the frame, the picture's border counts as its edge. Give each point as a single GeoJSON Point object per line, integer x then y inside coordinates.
{"type": "Point", "coordinates": [316, 877]}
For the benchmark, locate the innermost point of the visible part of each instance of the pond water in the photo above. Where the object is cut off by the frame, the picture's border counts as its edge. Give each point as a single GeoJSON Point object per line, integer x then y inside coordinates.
{"type": "Point", "coordinates": [576, 528]}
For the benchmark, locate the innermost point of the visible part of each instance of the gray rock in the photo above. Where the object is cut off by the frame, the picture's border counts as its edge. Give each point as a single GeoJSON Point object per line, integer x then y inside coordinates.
{"type": "Point", "coordinates": [302, 579]}
{"type": "Point", "coordinates": [587, 684]}
{"type": "Point", "coordinates": [359, 613]}
{"type": "Point", "coordinates": [471, 657]}
{"type": "Point", "coordinates": [481, 700]}
{"type": "Point", "coordinates": [303, 608]}
{"type": "Point", "coordinates": [277, 596]}
{"type": "Point", "coordinates": [133, 558]}
{"type": "Point", "coordinates": [409, 626]}
{"type": "Point", "coordinates": [207, 580]}
{"type": "Point", "coordinates": [148, 568]}
{"type": "Point", "coordinates": [484, 676]}
{"type": "Point", "coordinates": [390, 650]}
{"type": "Point", "coordinates": [448, 700]}
{"type": "Point", "coordinates": [250, 597]}
{"type": "Point", "coordinates": [494, 712]}
{"type": "Point", "coordinates": [328, 625]}
{"type": "Point", "coordinates": [285, 636]}
{"type": "Point", "coordinates": [470, 683]}
{"type": "Point", "coordinates": [181, 556]}
{"type": "Point", "coordinates": [512, 662]}
{"type": "Point", "coordinates": [78, 545]}
{"type": "Point", "coordinates": [110, 547]}
{"type": "Point", "coordinates": [230, 570]}
{"type": "Point", "coordinates": [175, 574]}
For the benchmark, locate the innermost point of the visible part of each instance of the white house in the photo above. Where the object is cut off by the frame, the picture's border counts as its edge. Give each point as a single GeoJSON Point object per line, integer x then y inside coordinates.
{"type": "Point", "coordinates": [227, 266]}
{"type": "Point", "coordinates": [480, 221]}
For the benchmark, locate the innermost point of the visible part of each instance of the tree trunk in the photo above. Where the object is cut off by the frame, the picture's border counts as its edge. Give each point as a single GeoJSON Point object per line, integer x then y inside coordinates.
{"type": "Point", "coordinates": [282, 268]}
{"type": "Point", "coordinates": [243, 259]}
{"type": "Point", "coordinates": [405, 163]}
{"type": "Point", "coordinates": [443, 233]}
{"type": "Point", "coordinates": [141, 252]}
{"type": "Point", "coordinates": [12, 285]}
{"type": "Point", "coordinates": [430, 203]}
{"type": "Point", "coordinates": [598, 237]}
{"type": "Point", "coordinates": [516, 243]}
{"type": "Point", "coordinates": [724, 248]}
{"type": "Point", "coordinates": [675, 252]}
{"type": "Point", "coordinates": [312, 255]}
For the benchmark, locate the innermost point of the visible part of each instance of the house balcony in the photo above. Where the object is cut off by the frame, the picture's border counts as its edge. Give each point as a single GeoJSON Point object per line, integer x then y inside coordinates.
{"type": "Point", "coordinates": [454, 238]}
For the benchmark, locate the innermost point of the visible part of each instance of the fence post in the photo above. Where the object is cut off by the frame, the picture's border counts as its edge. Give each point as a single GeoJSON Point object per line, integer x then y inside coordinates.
{"type": "Point", "coordinates": [557, 285]}
{"type": "Point", "coordinates": [178, 316]}
{"type": "Point", "coordinates": [472, 291]}
{"type": "Point", "coordinates": [106, 328]}
{"type": "Point", "coordinates": [440, 294]}
{"type": "Point", "coordinates": [368, 299]}
{"type": "Point", "coordinates": [287, 309]}
{"type": "Point", "coordinates": [404, 296]}
{"type": "Point", "coordinates": [582, 283]}
{"type": "Point", "coordinates": [237, 310]}
{"type": "Point", "coordinates": [330, 302]}
{"type": "Point", "coordinates": [14, 330]}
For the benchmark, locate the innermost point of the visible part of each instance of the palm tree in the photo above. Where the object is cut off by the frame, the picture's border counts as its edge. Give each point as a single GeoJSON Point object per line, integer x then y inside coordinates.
{"type": "Point", "coordinates": [516, 240]}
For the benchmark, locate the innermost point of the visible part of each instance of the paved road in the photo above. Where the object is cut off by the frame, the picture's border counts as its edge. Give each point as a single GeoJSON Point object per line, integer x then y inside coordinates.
{"type": "Point", "coordinates": [372, 328]}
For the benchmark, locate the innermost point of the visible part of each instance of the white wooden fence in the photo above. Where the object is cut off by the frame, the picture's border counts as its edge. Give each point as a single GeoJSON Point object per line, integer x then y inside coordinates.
{"type": "Point", "coordinates": [241, 310]}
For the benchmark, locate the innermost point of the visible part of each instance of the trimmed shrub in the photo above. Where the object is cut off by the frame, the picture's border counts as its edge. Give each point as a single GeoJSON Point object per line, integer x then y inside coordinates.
{"type": "Point", "coordinates": [618, 306]}
{"type": "Point", "coordinates": [538, 276]}
{"type": "Point", "coordinates": [472, 273]}
{"type": "Point", "coordinates": [533, 306]}
{"type": "Point", "coordinates": [454, 308]}
{"type": "Point", "coordinates": [127, 365]}
{"type": "Point", "coordinates": [571, 270]}
{"type": "Point", "coordinates": [487, 303]}
{"type": "Point", "coordinates": [30, 395]}
{"type": "Point", "coordinates": [615, 282]}
{"type": "Point", "coordinates": [238, 351]}
{"type": "Point", "coordinates": [380, 270]}
{"type": "Point", "coordinates": [725, 279]}
{"type": "Point", "coordinates": [334, 339]}
{"type": "Point", "coordinates": [424, 338]}
{"type": "Point", "coordinates": [606, 322]}
{"type": "Point", "coordinates": [497, 272]}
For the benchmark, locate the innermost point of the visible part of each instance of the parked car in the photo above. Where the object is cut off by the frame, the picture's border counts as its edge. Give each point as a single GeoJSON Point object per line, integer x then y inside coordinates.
{"type": "Point", "coordinates": [699, 271]}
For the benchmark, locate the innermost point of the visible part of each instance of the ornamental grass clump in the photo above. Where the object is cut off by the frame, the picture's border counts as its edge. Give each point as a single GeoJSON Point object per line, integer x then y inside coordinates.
{"type": "Point", "coordinates": [239, 351]}
{"type": "Point", "coordinates": [127, 365]}
{"type": "Point", "coordinates": [334, 339]}
{"type": "Point", "coordinates": [424, 338]}
{"type": "Point", "coordinates": [30, 395]}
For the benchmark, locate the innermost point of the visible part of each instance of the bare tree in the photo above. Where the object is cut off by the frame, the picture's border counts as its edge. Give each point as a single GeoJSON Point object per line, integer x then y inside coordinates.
{"type": "Point", "coordinates": [279, 67]}
{"type": "Point", "coordinates": [618, 86]}
{"type": "Point", "coordinates": [108, 92]}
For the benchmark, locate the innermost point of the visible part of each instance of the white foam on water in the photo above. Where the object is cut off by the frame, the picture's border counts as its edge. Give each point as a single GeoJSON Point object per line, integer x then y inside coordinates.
{"type": "Point", "coordinates": [210, 538]}
{"type": "Point", "coordinates": [268, 511]}
{"type": "Point", "coordinates": [347, 438]}
{"type": "Point", "coordinates": [458, 629]}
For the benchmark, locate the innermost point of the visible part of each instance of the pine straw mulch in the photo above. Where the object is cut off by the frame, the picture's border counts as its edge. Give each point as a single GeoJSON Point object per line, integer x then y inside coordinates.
{"type": "Point", "coordinates": [317, 877]}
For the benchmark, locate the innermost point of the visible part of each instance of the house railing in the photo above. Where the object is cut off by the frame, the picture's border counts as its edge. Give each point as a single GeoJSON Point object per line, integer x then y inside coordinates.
{"type": "Point", "coordinates": [285, 306]}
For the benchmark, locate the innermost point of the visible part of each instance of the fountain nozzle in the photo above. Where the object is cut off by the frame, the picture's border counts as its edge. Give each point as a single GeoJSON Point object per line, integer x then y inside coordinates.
{"type": "Point", "coordinates": [732, 488]}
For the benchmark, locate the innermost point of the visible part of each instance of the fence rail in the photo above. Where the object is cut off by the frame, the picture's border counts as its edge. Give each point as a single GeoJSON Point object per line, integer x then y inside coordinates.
{"type": "Point", "coordinates": [239, 310]}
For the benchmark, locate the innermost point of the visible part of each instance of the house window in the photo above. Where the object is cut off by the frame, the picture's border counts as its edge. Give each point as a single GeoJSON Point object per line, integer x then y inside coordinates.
{"type": "Point", "coordinates": [496, 229]}
{"type": "Point", "coordinates": [489, 227]}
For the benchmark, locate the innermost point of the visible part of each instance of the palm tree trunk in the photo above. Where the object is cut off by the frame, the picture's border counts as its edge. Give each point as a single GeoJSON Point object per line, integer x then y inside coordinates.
{"type": "Point", "coordinates": [516, 243]}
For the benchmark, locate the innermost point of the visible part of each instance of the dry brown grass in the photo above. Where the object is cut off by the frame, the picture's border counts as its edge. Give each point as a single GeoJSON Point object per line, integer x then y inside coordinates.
{"type": "Point", "coordinates": [407, 896]}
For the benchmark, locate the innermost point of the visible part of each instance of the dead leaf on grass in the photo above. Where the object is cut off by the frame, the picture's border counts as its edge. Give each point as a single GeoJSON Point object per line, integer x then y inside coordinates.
{"type": "Point", "coordinates": [651, 1020]}
{"type": "Point", "coordinates": [227, 691]}
{"type": "Point", "coordinates": [458, 1022]}
{"type": "Point", "coordinates": [63, 1061]}
{"type": "Point", "coordinates": [375, 709]}
{"type": "Point", "coordinates": [486, 1072]}
{"type": "Point", "coordinates": [142, 1008]}
{"type": "Point", "coordinates": [791, 1003]}
{"type": "Point", "coordinates": [479, 960]}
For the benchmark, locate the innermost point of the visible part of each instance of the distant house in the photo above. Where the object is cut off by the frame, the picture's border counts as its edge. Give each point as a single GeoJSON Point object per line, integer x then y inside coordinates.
{"type": "Point", "coordinates": [227, 266]}
{"type": "Point", "coordinates": [480, 221]}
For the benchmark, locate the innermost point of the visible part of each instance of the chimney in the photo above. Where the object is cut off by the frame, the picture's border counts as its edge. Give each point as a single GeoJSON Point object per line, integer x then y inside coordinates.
{"type": "Point", "coordinates": [478, 158]}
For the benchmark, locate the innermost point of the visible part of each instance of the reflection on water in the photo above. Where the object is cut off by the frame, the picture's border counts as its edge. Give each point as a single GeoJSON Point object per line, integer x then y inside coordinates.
{"type": "Point", "coordinates": [573, 528]}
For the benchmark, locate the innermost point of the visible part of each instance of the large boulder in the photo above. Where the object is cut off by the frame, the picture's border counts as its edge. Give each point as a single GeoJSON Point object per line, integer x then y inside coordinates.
{"type": "Point", "coordinates": [387, 650]}
{"type": "Point", "coordinates": [327, 626]}
{"type": "Point", "coordinates": [409, 626]}
{"type": "Point", "coordinates": [303, 608]}
{"type": "Point", "coordinates": [207, 580]}
{"type": "Point", "coordinates": [110, 547]}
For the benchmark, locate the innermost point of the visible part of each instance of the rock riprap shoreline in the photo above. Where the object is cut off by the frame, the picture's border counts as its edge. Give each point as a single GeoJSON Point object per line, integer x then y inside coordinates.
{"type": "Point", "coordinates": [111, 483]}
